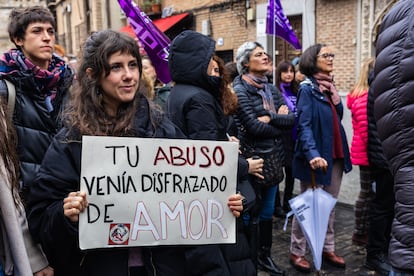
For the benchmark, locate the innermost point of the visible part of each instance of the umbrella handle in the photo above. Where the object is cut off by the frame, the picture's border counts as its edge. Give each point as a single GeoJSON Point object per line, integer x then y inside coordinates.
{"type": "Point", "coordinates": [313, 180]}
{"type": "Point", "coordinates": [313, 177]}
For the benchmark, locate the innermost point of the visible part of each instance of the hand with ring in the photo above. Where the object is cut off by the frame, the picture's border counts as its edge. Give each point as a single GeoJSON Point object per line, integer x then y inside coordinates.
{"type": "Point", "coordinates": [74, 204]}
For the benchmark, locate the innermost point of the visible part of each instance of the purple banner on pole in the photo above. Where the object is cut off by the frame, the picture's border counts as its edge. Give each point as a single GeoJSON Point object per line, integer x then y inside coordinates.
{"type": "Point", "coordinates": [278, 24]}
{"type": "Point", "coordinates": [155, 42]}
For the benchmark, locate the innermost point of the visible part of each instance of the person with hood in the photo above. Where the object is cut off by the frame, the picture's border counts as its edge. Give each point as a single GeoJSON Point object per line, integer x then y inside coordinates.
{"type": "Point", "coordinates": [195, 105]}
{"type": "Point", "coordinates": [393, 90]}
{"type": "Point", "coordinates": [41, 80]}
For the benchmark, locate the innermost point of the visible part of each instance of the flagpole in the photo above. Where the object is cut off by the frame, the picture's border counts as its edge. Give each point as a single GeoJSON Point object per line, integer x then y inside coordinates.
{"type": "Point", "coordinates": [274, 44]}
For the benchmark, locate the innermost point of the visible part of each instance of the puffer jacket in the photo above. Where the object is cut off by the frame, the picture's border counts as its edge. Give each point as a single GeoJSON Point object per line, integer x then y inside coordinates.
{"type": "Point", "coordinates": [256, 134]}
{"type": "Point", "coordinates": [194, 106]}
{"type": "Point", "coordinates": [35, 125]}
{"type": "Point", "coordinates": [394, 114]}
{"type": "Point", "coordinates": [58, 176]}
{"type": "Point", "coordinates": [359, 144]}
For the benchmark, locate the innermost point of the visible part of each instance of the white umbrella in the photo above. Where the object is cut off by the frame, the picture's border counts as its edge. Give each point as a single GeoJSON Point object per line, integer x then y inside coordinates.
{"type": "Point", "coordinates": [312, 209]}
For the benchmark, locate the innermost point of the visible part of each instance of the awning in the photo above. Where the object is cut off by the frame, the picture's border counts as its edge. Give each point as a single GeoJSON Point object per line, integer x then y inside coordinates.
{"type": "Point", "coordinates": [164, 24]}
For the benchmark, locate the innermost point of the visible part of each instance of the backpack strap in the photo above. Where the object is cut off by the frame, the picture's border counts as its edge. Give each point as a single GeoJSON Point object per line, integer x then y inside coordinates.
{"type": "Point", "coordinates": [8, 91]}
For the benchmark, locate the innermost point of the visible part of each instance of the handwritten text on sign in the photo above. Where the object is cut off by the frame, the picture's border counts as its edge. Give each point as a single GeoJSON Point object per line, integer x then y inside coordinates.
{"type": "Point", "coordinates": [156, 192]}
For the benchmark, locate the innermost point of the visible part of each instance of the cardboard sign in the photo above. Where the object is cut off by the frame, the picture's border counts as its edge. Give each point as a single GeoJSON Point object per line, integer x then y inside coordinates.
{"type": "Point", "coordinates": [147, 191]}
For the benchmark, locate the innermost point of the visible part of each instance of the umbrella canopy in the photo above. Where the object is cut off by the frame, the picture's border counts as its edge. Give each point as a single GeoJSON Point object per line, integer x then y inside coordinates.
{"type": "Point", "coordinates": [312, 209]}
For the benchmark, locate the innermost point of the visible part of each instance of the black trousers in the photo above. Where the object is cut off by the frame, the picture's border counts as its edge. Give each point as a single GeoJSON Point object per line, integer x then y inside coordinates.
{"type": "Point", "coordinates": [381, 213]}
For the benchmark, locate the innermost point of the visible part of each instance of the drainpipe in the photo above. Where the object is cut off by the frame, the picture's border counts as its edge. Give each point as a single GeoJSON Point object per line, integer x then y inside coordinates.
{"type": "Point", "coordinates": [108, 14]}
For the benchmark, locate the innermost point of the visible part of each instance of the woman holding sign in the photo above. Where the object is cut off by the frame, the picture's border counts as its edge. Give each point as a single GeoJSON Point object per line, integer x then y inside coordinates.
{"type": "Point", "coordinates": [105, 103]}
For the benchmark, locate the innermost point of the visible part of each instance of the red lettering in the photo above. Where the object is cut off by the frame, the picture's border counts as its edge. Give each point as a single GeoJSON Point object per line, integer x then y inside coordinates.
{"type": "Point", "coordinates": [161, 156]}
{"type": "Point", "coordinates": [204, 151]}
{"type": "Point", "coordinates": [218, 152]}
{"type": "Point", "coordinates": [176, 156]}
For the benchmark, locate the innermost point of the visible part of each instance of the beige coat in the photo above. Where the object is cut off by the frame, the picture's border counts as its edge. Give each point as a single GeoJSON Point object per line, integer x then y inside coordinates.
{"type": "Point", "coordinates": [19, 254]}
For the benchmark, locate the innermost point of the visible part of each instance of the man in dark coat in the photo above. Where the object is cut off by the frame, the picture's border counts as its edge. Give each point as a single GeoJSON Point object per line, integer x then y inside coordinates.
{"type": "Point", "coordinates": [394, 114]}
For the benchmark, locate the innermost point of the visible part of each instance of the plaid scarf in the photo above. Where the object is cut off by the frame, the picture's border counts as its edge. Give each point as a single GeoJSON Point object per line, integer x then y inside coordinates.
{"type": "Point", "coordinates": [264, 91]}
{"type": "Point", "coordinates": [14, 63]}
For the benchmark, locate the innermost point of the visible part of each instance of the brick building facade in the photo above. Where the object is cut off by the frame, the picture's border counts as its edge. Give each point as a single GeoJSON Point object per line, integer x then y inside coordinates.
{"type": "Point", "coordinates": [349, 26]}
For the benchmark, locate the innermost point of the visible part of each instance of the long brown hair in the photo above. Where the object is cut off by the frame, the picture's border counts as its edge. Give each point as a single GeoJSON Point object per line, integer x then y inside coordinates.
{"type": "Point", "coordinates": [8, 158]}
{"type": "Point", "coordinates": [86, 111]}
{"type": "Point", "coordinates": [228, 97]}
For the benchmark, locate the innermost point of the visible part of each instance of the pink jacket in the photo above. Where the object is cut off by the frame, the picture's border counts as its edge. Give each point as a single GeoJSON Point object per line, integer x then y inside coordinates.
{"type": "Point", "coordinates": [359, 145]}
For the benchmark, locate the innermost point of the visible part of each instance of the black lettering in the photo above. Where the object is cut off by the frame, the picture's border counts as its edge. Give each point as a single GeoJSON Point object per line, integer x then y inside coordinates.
{"type": "Point", "coordinates": [106, 217]}
{"type": "Point", "coordinates": [88, 211]}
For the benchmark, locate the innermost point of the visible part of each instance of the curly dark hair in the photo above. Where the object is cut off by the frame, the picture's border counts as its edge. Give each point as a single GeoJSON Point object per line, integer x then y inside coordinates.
{"type": "Point", "coordinates": [86, 111]}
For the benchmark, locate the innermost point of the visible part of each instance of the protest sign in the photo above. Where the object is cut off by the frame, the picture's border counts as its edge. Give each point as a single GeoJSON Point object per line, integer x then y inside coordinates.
{"type": "Point", "coordinates": [156, 192]}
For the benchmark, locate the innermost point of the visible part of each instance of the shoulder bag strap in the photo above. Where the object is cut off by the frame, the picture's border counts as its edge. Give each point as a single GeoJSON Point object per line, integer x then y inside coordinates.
{"type": "Point", "coordinates": [11, 99]}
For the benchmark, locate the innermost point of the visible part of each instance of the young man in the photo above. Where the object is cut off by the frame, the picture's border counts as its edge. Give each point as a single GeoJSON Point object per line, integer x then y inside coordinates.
{"type": "Point", "coordinates": [41, 80]}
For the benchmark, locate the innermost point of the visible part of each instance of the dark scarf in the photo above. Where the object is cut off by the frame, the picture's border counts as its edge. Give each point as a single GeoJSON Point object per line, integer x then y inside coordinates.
{"type": "Point", "coordinates": [14, 62]}
{"type": "Point", "coordinates": [327, 86]}
{"type": "Point", "coordinates": [264, 91]}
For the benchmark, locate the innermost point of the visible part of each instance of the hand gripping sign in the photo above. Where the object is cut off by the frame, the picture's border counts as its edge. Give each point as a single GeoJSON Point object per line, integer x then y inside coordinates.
{"type": "Point", "coordinates": [145, 191]}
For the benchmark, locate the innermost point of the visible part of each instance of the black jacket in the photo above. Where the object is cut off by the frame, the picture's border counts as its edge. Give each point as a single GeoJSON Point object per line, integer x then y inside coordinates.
{"type": "Point", "coordinates": [394, 114]}
{"type": "Point", "coordinates": [256, 134]}
{"type": "Point", "coordinates": [194, 106]}
{"type": "Point", "coordinates": [35, 125]}
{"type": "Point", "coordinates": [58, 176]}
{"type": "Point", "coordinates": [375, 153]}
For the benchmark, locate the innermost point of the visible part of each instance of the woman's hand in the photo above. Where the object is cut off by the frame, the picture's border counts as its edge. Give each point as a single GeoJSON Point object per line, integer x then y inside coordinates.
{"type": "Point", "coordinates": [283, 109]}
{"type": "Point", "coordinates": [264, 119]}
{"type": "Point", "coordinates": [318, 163]}
{"type": "Point", "coordinates": [256, 167]}
{"type": "Point", "coordinates": [74, 204]}
{"type": "Point", "coordinates": [47, 271]}
{"type": "Point", "coordinates": [235, 203]}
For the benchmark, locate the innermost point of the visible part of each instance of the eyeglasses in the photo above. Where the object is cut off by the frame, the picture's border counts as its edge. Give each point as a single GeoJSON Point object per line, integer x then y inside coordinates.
{"type": "Point", "coordinates": [327, 55]}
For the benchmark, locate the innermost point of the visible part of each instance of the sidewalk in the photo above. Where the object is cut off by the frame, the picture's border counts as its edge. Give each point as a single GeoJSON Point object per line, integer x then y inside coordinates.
{"type": "Point", "coordinates": [344, 225]}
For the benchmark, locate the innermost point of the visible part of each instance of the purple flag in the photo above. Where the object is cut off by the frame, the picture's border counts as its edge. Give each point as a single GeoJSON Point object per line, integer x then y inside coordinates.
{"type": "Point", "coordinates": [278, 24]}
{"type": "Point", "coordinates": [155, 42]}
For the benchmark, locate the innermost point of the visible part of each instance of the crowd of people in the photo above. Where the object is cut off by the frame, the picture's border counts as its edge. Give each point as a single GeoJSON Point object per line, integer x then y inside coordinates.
{"type": "Point", "coordinates": [287, 129]}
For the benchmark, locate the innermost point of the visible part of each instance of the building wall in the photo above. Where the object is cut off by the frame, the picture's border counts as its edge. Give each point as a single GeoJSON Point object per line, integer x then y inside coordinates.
{"type": "Point", "coordinates": [5, 7]}
{"type": "Point", "coordinates": [346, 25]}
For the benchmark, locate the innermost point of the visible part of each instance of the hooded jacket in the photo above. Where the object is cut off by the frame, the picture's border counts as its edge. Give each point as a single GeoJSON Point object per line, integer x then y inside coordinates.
{"type": "Point", "coordinates": [194, 106]}
{"type": "Point", "coordinates": [394, 114]}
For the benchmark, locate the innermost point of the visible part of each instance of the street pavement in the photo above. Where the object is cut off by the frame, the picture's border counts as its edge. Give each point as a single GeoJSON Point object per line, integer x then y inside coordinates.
{"type": "Point", "coordinates": [344, 225]}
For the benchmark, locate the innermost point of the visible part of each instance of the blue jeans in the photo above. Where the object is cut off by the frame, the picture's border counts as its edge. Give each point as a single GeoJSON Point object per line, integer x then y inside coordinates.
{"type": "Point", "coordinates": [268, 202]}
{"type": "Point", "coordinates": [393, 273]}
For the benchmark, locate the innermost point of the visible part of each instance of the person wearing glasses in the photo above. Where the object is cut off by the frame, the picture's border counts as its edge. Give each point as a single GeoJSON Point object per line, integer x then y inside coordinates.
{"type": "Point", "coordinates": [321, 145]}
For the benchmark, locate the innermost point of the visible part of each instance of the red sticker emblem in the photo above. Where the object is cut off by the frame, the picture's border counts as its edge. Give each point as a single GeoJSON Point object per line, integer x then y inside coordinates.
{"type": "Point", "coordinates": [118, 234]}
